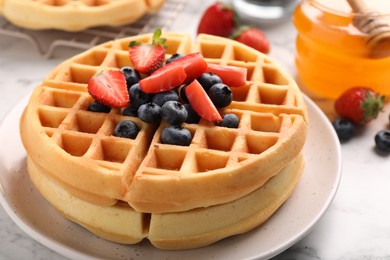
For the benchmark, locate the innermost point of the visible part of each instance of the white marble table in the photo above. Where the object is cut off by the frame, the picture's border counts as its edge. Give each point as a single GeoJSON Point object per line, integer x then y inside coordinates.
{"type": "Point", "coordinates": [356, 225]}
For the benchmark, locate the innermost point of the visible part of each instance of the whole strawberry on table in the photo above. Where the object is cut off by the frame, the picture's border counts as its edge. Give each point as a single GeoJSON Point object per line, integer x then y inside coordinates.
{"type": "Point", "coordinates": [356, 107]}
{"type": "Point", "coordinates": [220, 19]}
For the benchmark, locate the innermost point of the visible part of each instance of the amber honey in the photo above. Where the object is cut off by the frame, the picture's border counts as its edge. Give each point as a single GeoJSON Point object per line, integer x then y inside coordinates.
{"type": "Point", "coordinates": [332, 54]}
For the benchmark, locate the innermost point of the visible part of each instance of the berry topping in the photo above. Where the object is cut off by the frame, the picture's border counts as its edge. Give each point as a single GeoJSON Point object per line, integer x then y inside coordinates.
{"type": "Point", "coordinates": [98, 107]}
{"type": "Point", "coordinates": [194, 65]}
{"type": "Point", "coordinates": [109, 88]}
{"type": "Point", "coordinates": [252, 37]}
{"type": "Point", "coordinates": [174, 57]}
{"type": "Point", "coordinates": [126, 129]}
{"type": "Point", "coordinates": [130, 111]}
{"type": "Point", "coordinates": [201, 103]}
{"type": "Point", "coordinates": [132, 76]}
{"type": "Point", "coordinates": [174, 112]}
{"type": "Point", "coordinates": [166, 78]}
{"type": "Point", "coordinates": [231, 76]}
{"type": "Point", "coordinates": [359, 104]}
{"type": "Point", "coordinates": [138, 97]}
{"type": "Point", "coordinates": [176, 135]}
{"type": "Point", "coordinates": [208, 79]}
{"type": "Point", "coordinates": [229, 121]}
{"type": "Point", "coordinates": [192, 116]}
{"type": "Point", "coordinates": [218, 19]}
{"type": "Point", "coordinates": [147, 58]}
{"type": "Point", "coordinates": [344, 128]}
{"type": "Point", "coordinates": [182, 93]}
{"type": "Point", "coordinates": [221, 95]}
{"type": "Point", "coordinates": [162, 97]}
{"type": "Point", "coordinates": [382, 140]}
{"type": "Point", "coordinates": [149, 113]}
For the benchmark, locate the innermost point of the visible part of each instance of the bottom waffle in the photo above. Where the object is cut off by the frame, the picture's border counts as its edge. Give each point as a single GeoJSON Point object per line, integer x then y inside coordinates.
{"type": "Point", "coordinates": [174, 231]}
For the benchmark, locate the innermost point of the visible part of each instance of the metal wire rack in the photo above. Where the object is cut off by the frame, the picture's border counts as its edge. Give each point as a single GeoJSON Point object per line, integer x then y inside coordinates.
{"type": "Point", "coordinates": [54, 39]}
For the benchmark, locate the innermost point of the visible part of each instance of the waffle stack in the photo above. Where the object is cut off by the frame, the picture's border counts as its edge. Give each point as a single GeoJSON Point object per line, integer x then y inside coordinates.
{"type": "Point", "coordinates": [75, 15]}
{"type": "Point", "coordinates": [226, 182]}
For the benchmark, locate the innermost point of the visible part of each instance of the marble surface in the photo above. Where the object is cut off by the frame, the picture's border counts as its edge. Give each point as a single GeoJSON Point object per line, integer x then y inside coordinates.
{"type": "Point", "coordinates": [356, 226]}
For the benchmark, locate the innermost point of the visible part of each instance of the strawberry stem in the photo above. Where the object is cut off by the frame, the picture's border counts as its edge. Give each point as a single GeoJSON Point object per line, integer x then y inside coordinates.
{"type": "Point", "coordinates": [157, 39]}
{"type": "Point", "coordinates": [371, 106]}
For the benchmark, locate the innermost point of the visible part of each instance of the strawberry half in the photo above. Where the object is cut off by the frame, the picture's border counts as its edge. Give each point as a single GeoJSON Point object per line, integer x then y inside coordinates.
{"type": "Point", "coordinates": [231, 76]}
{"type": "Point", "coordinates": [175, 73]}
{"type": "Point", "coordinates": [359, 104]}
{"type": "Point", "coordinates": [147, 58]}
{"type": "Point", "coordinates": [109, 87]}
{"type": "Point", "coordinates": [194, 65]}
{"type": "Point", "coordinates": [201, 103]}
{"type": "Point", "coordinates": [252, 37]}
{"type": "Point", "coordinates": [219, 19]}
{"type": "Point", "coordinates": [164, 79]}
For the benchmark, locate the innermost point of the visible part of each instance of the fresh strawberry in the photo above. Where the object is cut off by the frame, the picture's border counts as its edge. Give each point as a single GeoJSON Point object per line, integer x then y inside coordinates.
{"type": "Point", "coordinates": [182, 70]}
{"type": "Point", "coordinates": [109, 88]}
{"type": "Point", "coordinates": [201, 103]}
{"type": "Point", "coordinates": [146, 57]}
{"type": "Point", "coordinates": [252, 37]}
{"type": "Point", "coordinates": [359, 104]}
{"type": "Point", "coordinates": [218, 19]}
{"type": "Point", "coordinates": [164, 79]}
{"type": "Point", "coordinates": [230, 75]}
{"type": "Point", "coordinates": [193, 64]}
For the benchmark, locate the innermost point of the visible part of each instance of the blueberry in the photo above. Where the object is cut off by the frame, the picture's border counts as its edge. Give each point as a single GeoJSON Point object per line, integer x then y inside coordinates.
{"type": "Point", "coordinates": [132, 76]}
{"type": "Point", "coordinates": [344, 128]}
{"type": "Point", "coordinates": [382, 140]}
{"type": "Point", "coordinates": [162, 97]}
{"type": "Point", "coordinates": [229, 121]}
{"type": "Point", "coordinates": [149, 112]}
{"type": "Point", "coordinates": [174, 57]}
{"type": "Point", "coordinates": [126, 129]}
{"type": "Point", "coordinates": [221, 95]}
{"type": "Point", "coordinates": [138, 97]}
{"type": "Point", "coordinates": [177, 135]}
{"type": "Point", "coordinates": [208, 79]}
{"type": "Point", "coordinates": [182, 93]}
{"type": "Point", "coordinates": [174, 112]}
{"type": "Point", "coordinates": [130, 111]}
{"type": "Point", "coordinates": [192, 116]}
{"type": "Point", "coordinates": [96, 106]}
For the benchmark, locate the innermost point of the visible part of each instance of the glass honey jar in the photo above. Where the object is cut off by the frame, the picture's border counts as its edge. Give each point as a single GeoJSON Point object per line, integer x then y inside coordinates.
{"type": "Point", "coordinates": [332, 54]}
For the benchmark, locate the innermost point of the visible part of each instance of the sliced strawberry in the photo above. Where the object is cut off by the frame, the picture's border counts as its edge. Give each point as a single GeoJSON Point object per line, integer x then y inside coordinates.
{"type": "Point", "coordinates": [147, 58]}
{"type": "Point", "coordinates": [201, 103]}
{"type": "Point", "coordinates": [231, 76]}
{"type": "Point", "coordinates": [166, 78]}
{"type": "Point", "coordinates": [109, 87]}
{"type": "Point", "coordinates": [193, 64]}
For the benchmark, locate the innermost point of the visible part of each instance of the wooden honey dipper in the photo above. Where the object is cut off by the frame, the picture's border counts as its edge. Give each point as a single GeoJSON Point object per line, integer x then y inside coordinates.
{"type": "Point", "coordinates": [377, 30]}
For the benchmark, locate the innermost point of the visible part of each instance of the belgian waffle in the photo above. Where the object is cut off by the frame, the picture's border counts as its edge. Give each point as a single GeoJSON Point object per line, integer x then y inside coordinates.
{"type": "Point", "coordinates": [75, 15]}
{"type": "Point", "coordinates": [178, 230]}
{"type": "Point", "coordinates": [154, 182]}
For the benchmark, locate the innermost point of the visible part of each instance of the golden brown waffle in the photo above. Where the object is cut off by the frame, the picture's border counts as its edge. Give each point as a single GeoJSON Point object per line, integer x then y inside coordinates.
{"type": "Point", "coordinates": [173, 231]}
{"type": "Point", "coordinates": [75, 149]}
{"type": "Point", "coordinates": [75, 15]}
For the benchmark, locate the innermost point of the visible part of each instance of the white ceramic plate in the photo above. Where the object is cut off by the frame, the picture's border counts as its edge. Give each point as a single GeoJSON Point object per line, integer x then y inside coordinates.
{"type": "Point", "coordinates": [291, 222]}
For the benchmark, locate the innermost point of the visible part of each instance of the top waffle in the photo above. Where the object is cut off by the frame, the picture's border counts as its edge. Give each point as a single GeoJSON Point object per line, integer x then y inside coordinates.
{"type": "Point", "coordinates": [221, 164]}
{"type": "Point", "coordinates": [75, 15]}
